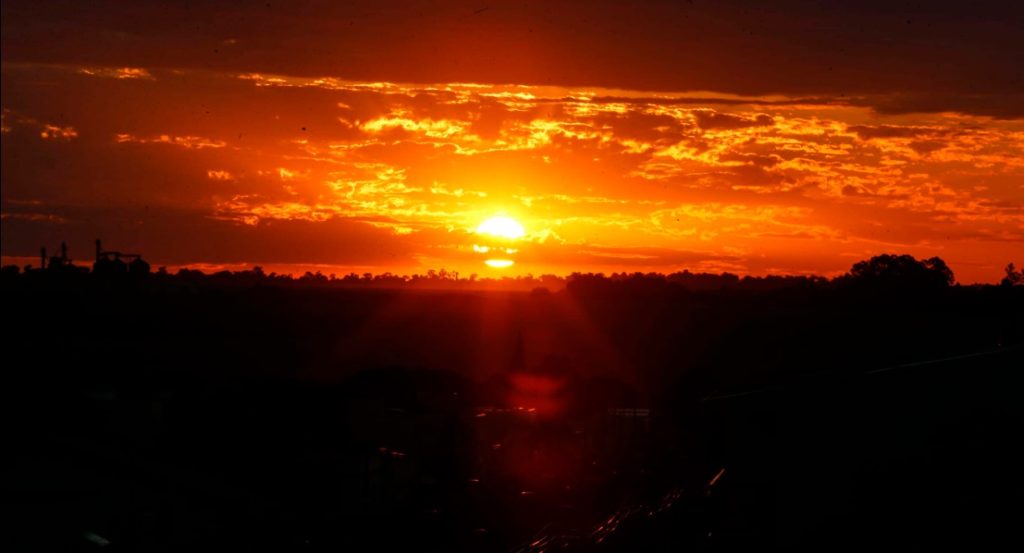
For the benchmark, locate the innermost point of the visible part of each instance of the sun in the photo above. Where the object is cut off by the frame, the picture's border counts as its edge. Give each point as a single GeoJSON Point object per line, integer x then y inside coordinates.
{"type": "Point", "coordinates": [501, 226]}
{"type": "Point", "coordinates": [499, 263]}
{"type": "Point", "coordinates": [495, 236]}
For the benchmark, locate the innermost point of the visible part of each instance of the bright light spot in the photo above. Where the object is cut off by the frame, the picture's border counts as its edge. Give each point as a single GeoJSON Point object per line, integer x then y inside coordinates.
{"type": "Point", "coordinates": [501, 227]}
{"type": "Point", "coordinates": [499, 263]}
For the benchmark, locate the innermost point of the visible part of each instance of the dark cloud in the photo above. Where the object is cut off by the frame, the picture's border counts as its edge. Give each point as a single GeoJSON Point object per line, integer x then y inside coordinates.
{"type": "Point", "coordinates": [709, 120]}
{"type": "Point", "coordinates": [850, 190]}
{"type": "Point", "coordinates": [763, 161]}
{"type": "Point", "coordinates": [867, 132]}
{"type": "Point", "coordinates": [168, 236]}
{"type": "Point", "coordinates": [639, 257]}
{"type": "Point", "coordinates": [1001, 104]}
{"type": "Point", "coordinates": [897, 56]}
{"type": "Point", "coordinates": [925, 147]}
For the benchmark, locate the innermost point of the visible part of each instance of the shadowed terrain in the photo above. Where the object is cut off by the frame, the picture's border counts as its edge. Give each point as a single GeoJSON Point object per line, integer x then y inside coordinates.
{"type": "Point", "coordinates": [165, 412]}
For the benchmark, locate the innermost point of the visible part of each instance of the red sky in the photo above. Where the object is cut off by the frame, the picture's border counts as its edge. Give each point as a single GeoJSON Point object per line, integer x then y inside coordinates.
{"type": "Point", "coordinates": [377, 136]}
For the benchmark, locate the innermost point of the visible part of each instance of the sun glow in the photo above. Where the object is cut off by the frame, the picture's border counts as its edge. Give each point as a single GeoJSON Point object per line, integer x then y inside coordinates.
{"type": "Point", "coordinates": [496, 234]}
{"type": "Point", "coordinates": [501, 227]}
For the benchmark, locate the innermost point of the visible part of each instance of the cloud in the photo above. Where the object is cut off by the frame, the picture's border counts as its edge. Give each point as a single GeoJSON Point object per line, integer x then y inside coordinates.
{"type": "Point", "coordinates": [443, 128]}
{"type": "Point", "coordinates": [197, 142]}
{"type": "Point", "coordinates": [46, 131]}
{"type": "Point", "coordinates": [219, 174]}
{"type": "Point", "coordinates": [645, 256]}
{"type": "Point", "coordinates": [867, 132]}
{"type": "Point", "coordinates": [175, 237]}
{"type": "Point", "coordinates": [600, 178]}
{"type": "Point", "coordinates": [54, 132]}
{"type": "Point", "coordinates": [882, 54]}
{"type": "Point", "coordinates": [710, 119]}
{"type": "Point", "coordinates": [117, 72]}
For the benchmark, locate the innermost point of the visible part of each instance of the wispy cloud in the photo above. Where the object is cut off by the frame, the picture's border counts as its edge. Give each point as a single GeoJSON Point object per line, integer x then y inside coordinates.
{"type": "Point", "coordinates": [600, 178]}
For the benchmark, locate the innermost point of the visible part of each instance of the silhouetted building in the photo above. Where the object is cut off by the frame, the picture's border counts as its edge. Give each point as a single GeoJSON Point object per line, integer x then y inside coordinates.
{"type": "Point", "coordinates": [109, 266]}
{"type": "Point", "coordinates": [138, 266]}
{"type": "Point", "coordinates": [56, 263]}
{"type": "Point", "coordinates": [113, 262]}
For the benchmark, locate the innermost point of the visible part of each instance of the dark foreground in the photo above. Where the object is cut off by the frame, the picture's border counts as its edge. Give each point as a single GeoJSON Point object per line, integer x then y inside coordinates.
{"type": "Point", "coordinates": [159, 415]}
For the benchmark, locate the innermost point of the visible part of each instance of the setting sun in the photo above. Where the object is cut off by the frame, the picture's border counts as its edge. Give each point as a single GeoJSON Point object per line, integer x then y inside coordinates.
{"type": "Point", "coordinates": [499, 263]}
{"type": "Point", "coordinates": [501, 227]}
{"type": "Point", "coordinates": [497, 232]}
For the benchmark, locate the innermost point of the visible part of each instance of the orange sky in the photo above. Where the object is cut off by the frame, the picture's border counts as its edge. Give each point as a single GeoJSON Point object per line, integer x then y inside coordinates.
{"type": "Point", "coordinates": [225, 164]}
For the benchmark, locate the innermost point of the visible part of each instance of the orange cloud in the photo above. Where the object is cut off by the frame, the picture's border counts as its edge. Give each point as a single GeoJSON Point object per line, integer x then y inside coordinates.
{"type": "Point", "coordinates": [117, 72]}
{"type": "Point", "coordinates": [197, 142]}
{"type": "Point", "coordinates": [602, 179]}
{"type": "Point", "coordinates": [54, 132]}
{"type": "Point", "coordinates": [218, 174]}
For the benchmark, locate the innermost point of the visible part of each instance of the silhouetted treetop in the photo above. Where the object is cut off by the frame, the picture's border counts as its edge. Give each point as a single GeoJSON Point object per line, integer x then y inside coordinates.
{"type": "Point", "coordinates": [902, 271]}
{"type": "Point", "coordinates": [1014, 276]}
{"type": "Point", "coordinates": [888, 271]}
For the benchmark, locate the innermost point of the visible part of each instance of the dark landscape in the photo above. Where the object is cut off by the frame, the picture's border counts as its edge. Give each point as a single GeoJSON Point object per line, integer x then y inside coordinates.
{"type": "Point", "coordinates": [164, 412]}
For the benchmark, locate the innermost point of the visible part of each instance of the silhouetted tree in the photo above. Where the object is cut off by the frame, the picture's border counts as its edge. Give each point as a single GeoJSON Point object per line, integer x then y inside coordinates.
{"type": "Point", "coordinates": [317, 277]}
{"type": "Point", "coordinates": [1014, 276]}
{"type": "Point", "coordinates": [901, 271]}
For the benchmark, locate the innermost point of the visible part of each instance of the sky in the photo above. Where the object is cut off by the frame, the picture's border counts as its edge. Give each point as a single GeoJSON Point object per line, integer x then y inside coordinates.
{"type": "Point", "coordinates": [795, 137]}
